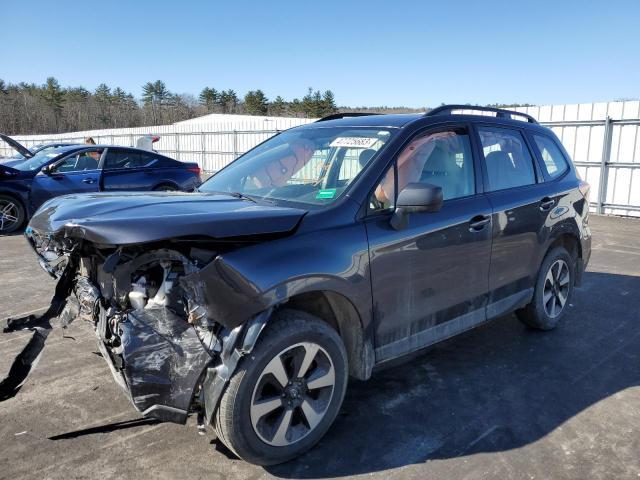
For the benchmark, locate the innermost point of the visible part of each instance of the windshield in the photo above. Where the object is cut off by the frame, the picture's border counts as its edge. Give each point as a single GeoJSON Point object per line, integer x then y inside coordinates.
{"type": "Point", "coordinates": [45, 148]}
{"type": "Point", "coordinates": [309, 165]}
{"type": "Point", "coordinates": [37, 161]}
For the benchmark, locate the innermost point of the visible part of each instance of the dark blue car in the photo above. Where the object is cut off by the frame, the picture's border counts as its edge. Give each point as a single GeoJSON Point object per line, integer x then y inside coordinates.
{"type": "Point", "coordinates": [26, 185]}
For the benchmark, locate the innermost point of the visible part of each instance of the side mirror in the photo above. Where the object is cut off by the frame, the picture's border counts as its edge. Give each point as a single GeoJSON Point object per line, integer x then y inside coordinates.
{"type": "Point", "coordinates": [415, 198]}
{"type": "Point", "coordinates": [47, 169]}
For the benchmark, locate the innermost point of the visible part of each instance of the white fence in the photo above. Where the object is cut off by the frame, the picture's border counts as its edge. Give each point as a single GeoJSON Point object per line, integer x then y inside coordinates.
{"type": "Point", "coordinates": [602, 139]}
{"type": "Point", "coordinates": [212, 145]}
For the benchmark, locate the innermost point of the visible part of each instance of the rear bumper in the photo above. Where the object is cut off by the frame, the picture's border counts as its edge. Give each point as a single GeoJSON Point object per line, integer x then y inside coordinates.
{"type": "Point", "coordinates": [585, 250]}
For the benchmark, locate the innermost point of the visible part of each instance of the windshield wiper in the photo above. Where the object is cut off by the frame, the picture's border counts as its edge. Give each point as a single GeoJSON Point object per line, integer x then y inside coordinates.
{"type": "Point", "coordinates": [241, 196]}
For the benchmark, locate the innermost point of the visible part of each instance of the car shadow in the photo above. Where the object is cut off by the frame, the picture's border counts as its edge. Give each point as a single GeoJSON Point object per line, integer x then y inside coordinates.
{"type": "Point", "coordinates": [499, 387]}
{"type": "Point", "coordinates": [106, 428]}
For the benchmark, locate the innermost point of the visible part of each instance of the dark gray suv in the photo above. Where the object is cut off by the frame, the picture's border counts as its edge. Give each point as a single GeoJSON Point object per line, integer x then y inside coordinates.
{"type": "Point", "coordinates": [323, 252]}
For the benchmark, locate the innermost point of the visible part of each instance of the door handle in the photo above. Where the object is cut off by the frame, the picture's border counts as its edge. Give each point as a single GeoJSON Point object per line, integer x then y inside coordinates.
{"type": "Point", "coordinates": [546, 203]}
{"type": "Point", "coordinates": [478, 222]}
{"type": "Point", "coordinates": [89, 180]}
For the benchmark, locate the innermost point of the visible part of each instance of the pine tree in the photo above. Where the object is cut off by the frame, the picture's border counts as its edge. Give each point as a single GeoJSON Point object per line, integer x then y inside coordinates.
{"type": "Point", "coordinates": [102, 94]}
{"type": "Point", "coordinates": [296, 108]}
{"type": "Point", "coordinates": [209, 98]}
{"type": "Point", "coordinates": [228, 101]}
{"type": "Point", "coordinates": [256, 103]}
{"type": "Point", "coordinates": [148, 93]}
{"type": "Point", "coordinates": [119, 95]}
{"type": "Point", "coordinates": [278, 106]}
{"type": "Point", "coordinates": [156, 96]}
{"type": "Point", "coordinates": [328, 103]}
{"type": "Point", "coordinates": [307, 105]}
{"type": "Point", "coordinates": [155, 93]}
{"type": "Point", "coordinates": [161, 93]}
{"type": "Point", "coordinates": [53, 94]}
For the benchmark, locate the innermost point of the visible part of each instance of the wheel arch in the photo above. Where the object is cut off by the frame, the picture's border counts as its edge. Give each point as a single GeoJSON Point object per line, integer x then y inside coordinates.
{"type": "Point", "coordinates": [15, 196]}
{"type": "Point", "coordinates": [570, 241]}
{"type": "Point", "coordinates": [339, 312]}
{"type": "Point", "coordinates": [166, 183]}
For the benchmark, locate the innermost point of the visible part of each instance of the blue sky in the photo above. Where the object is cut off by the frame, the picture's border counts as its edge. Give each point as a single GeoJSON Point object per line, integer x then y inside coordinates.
{"type": "Point", "coordinates": [413, 53]}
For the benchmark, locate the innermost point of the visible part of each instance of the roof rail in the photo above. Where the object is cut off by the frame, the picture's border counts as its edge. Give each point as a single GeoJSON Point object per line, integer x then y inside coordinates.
{"type": "Point", "coordinates": [500, 112]}
{"type": "Point", "coordinates": [345, 115]}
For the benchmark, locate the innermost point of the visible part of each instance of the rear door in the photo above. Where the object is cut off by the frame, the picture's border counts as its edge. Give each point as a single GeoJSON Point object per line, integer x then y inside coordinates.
{"type": "Point", "coordinates": [129, 170]}
{"type": "Point", "coordinates": [430, 279]}
{"type": "Point", "coordinates": [520, 206]}
{"type": "Point", "coordinates": [75, 173]}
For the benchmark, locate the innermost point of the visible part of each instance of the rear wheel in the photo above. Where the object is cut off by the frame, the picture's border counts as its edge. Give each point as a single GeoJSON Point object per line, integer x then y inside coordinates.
{"type": "Point", "coordinates": [286, 394]}
{"type": "Point", "coordinates": [553, 291]}
{"type": "Point", "coordinates": [12, 214]}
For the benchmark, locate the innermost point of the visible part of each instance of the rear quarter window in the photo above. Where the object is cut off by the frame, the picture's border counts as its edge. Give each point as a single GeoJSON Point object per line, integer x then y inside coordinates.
{"type": "Point", "coordinates": [552, 157]}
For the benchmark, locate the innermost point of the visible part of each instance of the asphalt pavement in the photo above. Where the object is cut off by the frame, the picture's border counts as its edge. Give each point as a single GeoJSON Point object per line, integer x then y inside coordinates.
{"type": "Point", "coordinates": [500, 402]}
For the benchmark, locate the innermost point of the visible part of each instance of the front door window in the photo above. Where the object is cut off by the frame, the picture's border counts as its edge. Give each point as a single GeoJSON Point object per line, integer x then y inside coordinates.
{"type": "Point", "coordinates": [87, 160]}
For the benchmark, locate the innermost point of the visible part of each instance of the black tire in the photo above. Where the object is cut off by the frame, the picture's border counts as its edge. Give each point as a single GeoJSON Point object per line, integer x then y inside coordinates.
{"type": "Point", "coordinates": [537, 313]}
{"type": "Point", "coordinates": [12, 214]}
{"type": "Point", "coordinates": [233, 418]}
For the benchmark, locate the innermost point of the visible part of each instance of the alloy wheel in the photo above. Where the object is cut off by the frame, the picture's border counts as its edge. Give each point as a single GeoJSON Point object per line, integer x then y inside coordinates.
{"type": "Point", "coordinates": [292, 394]}
{"type": "Point", "coordinates": [556, 288]}
{"type": "Point", "coordinates": [9, 215]}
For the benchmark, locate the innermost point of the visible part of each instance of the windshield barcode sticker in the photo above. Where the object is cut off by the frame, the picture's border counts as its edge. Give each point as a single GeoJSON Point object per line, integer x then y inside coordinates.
{"type": "Point", "coordinates": [353, 142]}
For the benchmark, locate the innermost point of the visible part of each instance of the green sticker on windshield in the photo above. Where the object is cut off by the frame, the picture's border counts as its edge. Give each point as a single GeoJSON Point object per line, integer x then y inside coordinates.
{"type": "Point", "coordinates": [326, 193]}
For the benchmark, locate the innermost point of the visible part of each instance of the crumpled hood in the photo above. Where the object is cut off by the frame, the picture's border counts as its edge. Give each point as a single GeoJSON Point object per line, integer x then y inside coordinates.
{"type": "Point", "coordinates": [128, 218]}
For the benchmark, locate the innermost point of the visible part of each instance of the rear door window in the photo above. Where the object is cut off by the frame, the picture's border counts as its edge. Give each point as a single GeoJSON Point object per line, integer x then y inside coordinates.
{"type": "Point", "coordinates": [554, 162]}
{"type": "Point", "coordinates": [508, 161]}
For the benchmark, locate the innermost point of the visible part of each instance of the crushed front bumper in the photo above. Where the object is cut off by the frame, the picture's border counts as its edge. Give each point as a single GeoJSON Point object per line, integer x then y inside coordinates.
{"type": "Point", "coordinates": [157, 359]}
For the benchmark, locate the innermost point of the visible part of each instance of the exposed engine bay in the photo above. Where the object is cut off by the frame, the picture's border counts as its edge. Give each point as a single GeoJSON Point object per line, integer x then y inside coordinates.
{"type": "Point", "coordinates": [155, 326]}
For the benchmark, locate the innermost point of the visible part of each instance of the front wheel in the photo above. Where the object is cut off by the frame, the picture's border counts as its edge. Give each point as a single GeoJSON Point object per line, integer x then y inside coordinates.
{"type": "Point", "coordinates": [286, 394]}
{"type": "Point", "coordinates": [12, 214]}
{"type": "Point", "coordinates": [553, 291]}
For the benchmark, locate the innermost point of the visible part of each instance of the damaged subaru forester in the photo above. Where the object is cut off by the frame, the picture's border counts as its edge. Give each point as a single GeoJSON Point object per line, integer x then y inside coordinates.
{"type": "Point", "coordinates": [321, 253]}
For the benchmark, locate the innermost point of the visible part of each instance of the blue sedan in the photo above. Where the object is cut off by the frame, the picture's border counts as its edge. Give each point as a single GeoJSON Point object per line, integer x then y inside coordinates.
{"type": "Point", "coordinates": [26, 185]}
